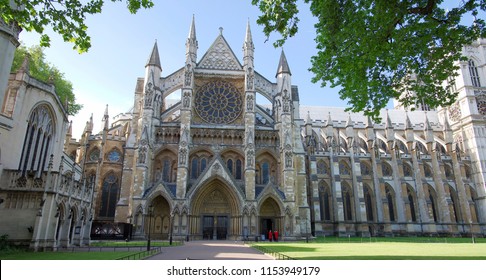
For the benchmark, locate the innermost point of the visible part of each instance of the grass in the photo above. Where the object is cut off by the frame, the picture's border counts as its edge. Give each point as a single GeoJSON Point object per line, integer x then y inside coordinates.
{"type": "Point", "coordinates": [22, 255]}
{"type": "Point", "coordinates": [18, 254]}
{"type": "Point", "coordinates": [383, 249]}
{"type": "Point", "coordinates": [132, 244]}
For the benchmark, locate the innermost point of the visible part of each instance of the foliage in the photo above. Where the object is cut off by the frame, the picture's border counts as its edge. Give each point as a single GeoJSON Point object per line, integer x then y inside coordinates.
{"type": "Point", "coordinates": [382, 49]}
{"type": "Point", "coordinates": [40, 69]}
{"type": "Point", "coordinates": [4, 242]}
{"type": "Point", "coordinates": [66, 18]}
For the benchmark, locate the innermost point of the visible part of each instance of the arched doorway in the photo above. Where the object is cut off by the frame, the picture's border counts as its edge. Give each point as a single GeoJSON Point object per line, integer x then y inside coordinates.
{"type": "Point", "coordinates": [159, 220]}
{"type": "Point", "coordinates": [270, 217]}
{"type": "Point", "coordinates": [215, 212]}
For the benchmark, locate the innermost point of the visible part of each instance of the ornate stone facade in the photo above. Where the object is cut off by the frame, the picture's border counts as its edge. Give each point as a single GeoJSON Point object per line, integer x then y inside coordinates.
{"type": "Point", "coordinates": [217, 165]}
{"type": "Point", "coordinates": [45, 203]}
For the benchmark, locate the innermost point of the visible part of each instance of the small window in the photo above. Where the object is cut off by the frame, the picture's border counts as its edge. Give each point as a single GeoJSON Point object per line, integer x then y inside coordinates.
{"type": "Point", "coordinates": [473, 72]}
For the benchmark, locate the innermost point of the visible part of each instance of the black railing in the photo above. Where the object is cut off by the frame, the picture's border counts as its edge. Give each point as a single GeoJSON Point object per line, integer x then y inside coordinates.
{"type": "Point", "coordinates": [141, 255]}
{"type": "Point", "coordinates": [276, 255]}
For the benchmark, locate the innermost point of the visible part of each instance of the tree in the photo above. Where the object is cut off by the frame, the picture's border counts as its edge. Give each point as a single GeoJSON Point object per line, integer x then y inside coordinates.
{"type": "Point", "coordinates": [66, 17]}
{"type": "Point", "coordinates": [382, 49]}
{"type": "Point", "coordinates": [40, 69]}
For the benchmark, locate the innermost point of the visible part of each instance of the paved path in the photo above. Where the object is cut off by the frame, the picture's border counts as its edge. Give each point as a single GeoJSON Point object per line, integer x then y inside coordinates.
{"type": "Point", "coordinates": [210, 250]}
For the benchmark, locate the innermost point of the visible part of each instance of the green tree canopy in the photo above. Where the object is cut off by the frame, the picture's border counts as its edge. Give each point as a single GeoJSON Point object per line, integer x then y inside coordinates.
{"type": "Point", "coordinates": [40, 69]}
{"type": "Point", "coordinates": [66, 17]}
{"type": "Point", "coordinates": [383, 49]}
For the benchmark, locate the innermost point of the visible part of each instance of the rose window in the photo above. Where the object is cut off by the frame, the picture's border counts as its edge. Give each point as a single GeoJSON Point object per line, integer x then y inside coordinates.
{"type": "Point", "coordinates": [218, 102]}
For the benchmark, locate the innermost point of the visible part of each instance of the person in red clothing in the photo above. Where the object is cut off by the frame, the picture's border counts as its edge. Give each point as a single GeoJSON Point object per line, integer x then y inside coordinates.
{"type": "Point", "coordinates": [275, 235]}
{"type": "Point", "coordinates": [270, 235]}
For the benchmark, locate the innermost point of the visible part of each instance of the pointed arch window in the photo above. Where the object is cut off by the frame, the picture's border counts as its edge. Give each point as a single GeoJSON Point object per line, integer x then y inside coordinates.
{"type": "Point", "coordinates": [391, 203]}
{"type": "Point", "coordinates": [407, 171]}
{"type": "Point", "coordinates": [455, 215]}
{"type": "Point", "coordinates": [238, 169]}
{"type": "Point", "coordinates": [386, 169]}
{"type": "Point", "coordinates": [37, 141]}
{"type": "Point", "coordinates": [347, 203]}
{"type": "Point", "coordinates": [204, 162]}
{"type": "Point", "coordinates": [229, 164]}
{"type": "Point", "coordinates": [321, 167]}
{"type": "Point", "coordinates": [265, 173]}
{"type": "Point", "coordinates": [324, 201]}
{"type": "Point", "coordinates": [433, 205]}
{"type": "Point", "coordinates": [94, 155]}
{"type": "Point", "coordinates": [411, 203]}
{"type": "Point", "coordinates": [427, 171]}
{"type": "Point", "coordinates": [344, 168]}
{"type": "Point", "coordinates": [166, 168]}
{"type": "Point", "coordinates": [473, 72]}
{"type": "Point", "coordinates": [109, 196]}
{"type": "Point", "coordinates": [194, 165]}
{"type": "Point", "coordinates": [368, 203]}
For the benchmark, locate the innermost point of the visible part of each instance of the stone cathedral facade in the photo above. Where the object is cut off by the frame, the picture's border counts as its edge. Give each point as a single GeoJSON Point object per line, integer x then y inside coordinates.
{"type": "Point", "coordinates": [217, 165]}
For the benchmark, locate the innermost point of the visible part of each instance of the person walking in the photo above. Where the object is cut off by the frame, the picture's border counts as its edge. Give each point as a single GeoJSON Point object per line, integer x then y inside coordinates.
{"type": "Point", "coordinates": [270, 235]}
{"type": "Point", "coordinates": [275, 233]}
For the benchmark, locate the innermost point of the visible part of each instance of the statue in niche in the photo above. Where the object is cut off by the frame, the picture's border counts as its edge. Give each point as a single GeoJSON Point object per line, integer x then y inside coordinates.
{"type": "Point", "coordinates": [186, 99]}
{"type": "Point", "coordinates": [250, 158]}
{"type": "Point", "coordinates": [182, 155]}
{"type": "Point", "coordinates": [288, 159]}
{"type": "Point", "coordinates": [249, 137]}
{"type": "Point", "coordinates": [149, 92]}
{"type": "Point", "coordinates": [249, 78]}
{"type": "Point", "coordinates": [142, 153]}
{"type": "Point", "coordinates": [185, 135]}
{"type": "Point", "coordinates": [188, 75]}
{"type": "Point", "coordinates": [249, 103]}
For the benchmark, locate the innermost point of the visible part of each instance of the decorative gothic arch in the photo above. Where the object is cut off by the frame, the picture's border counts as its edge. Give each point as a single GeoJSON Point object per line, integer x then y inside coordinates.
{"type": "Point", "coordinates": [215, 210]}
{"type": "Point", "coordinates": [270, 214]}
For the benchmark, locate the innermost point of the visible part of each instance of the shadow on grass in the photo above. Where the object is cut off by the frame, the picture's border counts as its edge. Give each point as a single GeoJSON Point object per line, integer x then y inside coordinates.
{"type": "Point", "coordinates": [393, 258]}
{"type": "Point", "coordinates": [293, 248]}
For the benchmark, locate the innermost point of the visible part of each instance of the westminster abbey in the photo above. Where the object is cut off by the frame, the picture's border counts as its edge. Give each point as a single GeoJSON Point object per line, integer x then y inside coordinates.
{"type": "Point", "coordinates": [216, 165]}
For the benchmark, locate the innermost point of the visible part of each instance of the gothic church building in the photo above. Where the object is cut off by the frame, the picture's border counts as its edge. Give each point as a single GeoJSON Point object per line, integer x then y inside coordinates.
{"type": "Point", "coordinates": [217, 165]}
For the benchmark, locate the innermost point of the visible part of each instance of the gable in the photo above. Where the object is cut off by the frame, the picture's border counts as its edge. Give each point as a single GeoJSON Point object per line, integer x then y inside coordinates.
{"type": "Point", "coordinates": [219, 57]}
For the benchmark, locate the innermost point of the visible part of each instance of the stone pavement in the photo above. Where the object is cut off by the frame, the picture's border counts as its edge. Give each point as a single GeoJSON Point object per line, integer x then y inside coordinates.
{"type": "Point", "coordinates": [211, 250]}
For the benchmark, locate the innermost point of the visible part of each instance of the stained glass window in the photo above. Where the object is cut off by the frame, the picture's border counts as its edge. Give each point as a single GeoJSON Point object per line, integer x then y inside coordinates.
{"type": "Point", "coordinates": [218, 102]}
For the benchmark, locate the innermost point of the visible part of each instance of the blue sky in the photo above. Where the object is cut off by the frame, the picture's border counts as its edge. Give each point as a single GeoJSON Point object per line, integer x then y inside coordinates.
{"type": "Point", "coordinates": [122, 42]}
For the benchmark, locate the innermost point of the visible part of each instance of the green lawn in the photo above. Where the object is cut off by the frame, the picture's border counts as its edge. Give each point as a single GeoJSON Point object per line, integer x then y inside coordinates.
{"type": "Point", "coordinates": [62, 255]}
{"type": "Point", "coordinates": [382, 249]}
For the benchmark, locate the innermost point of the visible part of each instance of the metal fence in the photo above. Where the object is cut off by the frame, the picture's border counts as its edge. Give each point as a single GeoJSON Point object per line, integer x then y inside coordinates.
{"type": "Point", "coordinates": [141, 255]}
{"type": "Point", "coordinates": [276, 255]}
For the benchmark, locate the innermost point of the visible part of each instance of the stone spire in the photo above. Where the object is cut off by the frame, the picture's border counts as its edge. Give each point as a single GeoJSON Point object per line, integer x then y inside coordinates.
{"type": "Point", "coordinates": [283, 66]}
{"type": "Point", "coordinates": [105, 119]}
{"type": "Point", "coordinates": [248, 45]}
{"type": "Point", "coordinates": [70, 128]}
{"type": "Point", "coordinates": [154, 58]}
{"type": "Point", "coordinates": [191, 43]}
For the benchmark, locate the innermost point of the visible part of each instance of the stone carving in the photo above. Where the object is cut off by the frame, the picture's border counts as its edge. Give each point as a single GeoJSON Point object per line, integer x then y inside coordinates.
{"type": "Point", "coordinates": [455, 112]}
{"type": "Point", "coordinates": [182, 155]}
{"type": "Point", "coordinates": [142, 154]}
{"type": "Point", "coordinates": [188, 75]}
{"type": "Point", "coordinates": [186, 99]}
{"type": "Point", "coordinates": [288, 159]}
{"type": "Point", "coordinates": [250, 158]}
{"type": "Point", "coordinates": [220, 57]}
{"type": "Point", "coordinates": [249, 103]}
{"type": "Point", "coordinates": [249, 78]}
{"type": "Point", "coordinates": [149, 93]}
